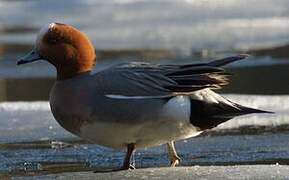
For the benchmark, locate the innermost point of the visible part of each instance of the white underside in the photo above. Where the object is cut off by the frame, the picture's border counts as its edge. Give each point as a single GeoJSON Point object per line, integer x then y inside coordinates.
{"type": "Point", "coordinates": [172, 124]}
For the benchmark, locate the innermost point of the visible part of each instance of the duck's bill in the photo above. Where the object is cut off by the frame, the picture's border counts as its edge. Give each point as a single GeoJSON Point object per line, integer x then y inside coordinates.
{"type": "Point", "coordinates": [30, 57]}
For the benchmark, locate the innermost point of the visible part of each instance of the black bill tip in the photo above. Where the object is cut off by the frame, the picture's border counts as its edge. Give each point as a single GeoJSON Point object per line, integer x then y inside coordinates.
{"type": "Point", "coordinates": [21, 61]}
{"type": "Point", "coordinates": [30, 57]}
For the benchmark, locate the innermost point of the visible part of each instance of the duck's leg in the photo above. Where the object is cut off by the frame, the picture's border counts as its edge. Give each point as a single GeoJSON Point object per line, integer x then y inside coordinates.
{"type": "Point", "coordinates": [173, 156]}
{"type": "Point", "coordinates": [126, 163]}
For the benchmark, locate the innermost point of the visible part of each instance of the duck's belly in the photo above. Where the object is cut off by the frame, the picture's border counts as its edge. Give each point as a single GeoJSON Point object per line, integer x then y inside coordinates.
{"type": "Point", "coordinates": [153, 133]}
{"type": "Point", "coordinates": [171, 122]}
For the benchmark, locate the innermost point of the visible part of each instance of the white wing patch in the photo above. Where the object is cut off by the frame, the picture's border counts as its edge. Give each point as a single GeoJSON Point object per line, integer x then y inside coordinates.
{"type": "Point", "coordinates": [178, 108]}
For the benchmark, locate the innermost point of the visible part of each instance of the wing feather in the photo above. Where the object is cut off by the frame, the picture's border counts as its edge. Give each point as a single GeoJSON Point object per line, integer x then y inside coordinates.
{"type": "Point", "coordinates": [153, 80]}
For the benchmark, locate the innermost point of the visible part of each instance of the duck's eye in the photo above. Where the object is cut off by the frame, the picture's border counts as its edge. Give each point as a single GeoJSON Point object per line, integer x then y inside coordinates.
{"type": "Point", "coordinates": [52, 40]}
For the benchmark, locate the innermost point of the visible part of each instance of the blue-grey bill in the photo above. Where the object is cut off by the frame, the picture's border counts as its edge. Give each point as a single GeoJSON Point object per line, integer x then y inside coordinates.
{"type": "Point", "coordinates": [30, 57]}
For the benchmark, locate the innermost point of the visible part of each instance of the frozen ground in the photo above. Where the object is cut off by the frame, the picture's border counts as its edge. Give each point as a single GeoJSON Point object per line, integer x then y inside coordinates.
{"type": "Point", "coordinates": [247, 172]}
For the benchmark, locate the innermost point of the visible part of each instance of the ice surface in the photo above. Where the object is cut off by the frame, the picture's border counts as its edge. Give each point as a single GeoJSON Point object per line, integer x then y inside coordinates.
{"type": "Point", "coordinates": [28, 121]}
{"type": "Point", "coordinates": [184, 173]}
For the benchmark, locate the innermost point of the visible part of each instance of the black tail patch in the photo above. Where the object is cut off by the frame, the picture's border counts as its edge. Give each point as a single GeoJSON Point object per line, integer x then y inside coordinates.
{"type": "Point", "coordinates": [209, 115]}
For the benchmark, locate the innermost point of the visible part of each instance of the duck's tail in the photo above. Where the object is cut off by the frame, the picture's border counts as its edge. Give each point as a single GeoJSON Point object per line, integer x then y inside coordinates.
{"type": "Point", "coordinates": [207, 115]}
{"type": "Point", "coordinates": [247, 110]}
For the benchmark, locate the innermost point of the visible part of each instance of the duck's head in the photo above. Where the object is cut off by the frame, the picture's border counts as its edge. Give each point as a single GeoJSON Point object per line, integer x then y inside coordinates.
{"type": "Point", "coordinates": [64, 46]}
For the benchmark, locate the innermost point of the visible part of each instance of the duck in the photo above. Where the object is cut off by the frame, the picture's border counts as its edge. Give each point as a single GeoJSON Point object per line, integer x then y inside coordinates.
{"type": "Point", "coordinates": [132, 105]}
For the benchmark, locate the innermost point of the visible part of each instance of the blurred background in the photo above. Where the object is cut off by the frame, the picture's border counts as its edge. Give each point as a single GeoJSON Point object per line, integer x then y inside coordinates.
{"type": "Point", "coordinates": [159, 31]}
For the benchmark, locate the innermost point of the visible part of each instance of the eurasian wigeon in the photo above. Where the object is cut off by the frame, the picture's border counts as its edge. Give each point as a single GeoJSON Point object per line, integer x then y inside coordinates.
{"type": "Point", "coordinates": [131, 105]}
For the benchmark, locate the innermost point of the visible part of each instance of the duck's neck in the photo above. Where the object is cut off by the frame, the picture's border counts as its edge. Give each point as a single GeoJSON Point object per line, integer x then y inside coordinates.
{"type": "Point", "coordinates": [68, 74]}
{"type": "Point", "coordinates": [68, 68]}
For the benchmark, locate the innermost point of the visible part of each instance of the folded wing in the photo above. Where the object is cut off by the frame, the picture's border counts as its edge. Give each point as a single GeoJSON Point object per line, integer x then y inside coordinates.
{"type": "Point", "coordinates": [145, 80]}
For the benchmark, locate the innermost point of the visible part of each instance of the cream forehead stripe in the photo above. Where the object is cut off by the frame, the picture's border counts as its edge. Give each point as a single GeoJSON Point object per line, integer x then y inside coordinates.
{"type": "Point", "coordinates": [44, 30]}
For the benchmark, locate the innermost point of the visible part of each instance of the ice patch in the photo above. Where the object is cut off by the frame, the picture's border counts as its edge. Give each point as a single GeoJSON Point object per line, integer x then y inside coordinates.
{"type": "Point", "coordinates": [6, 107]}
